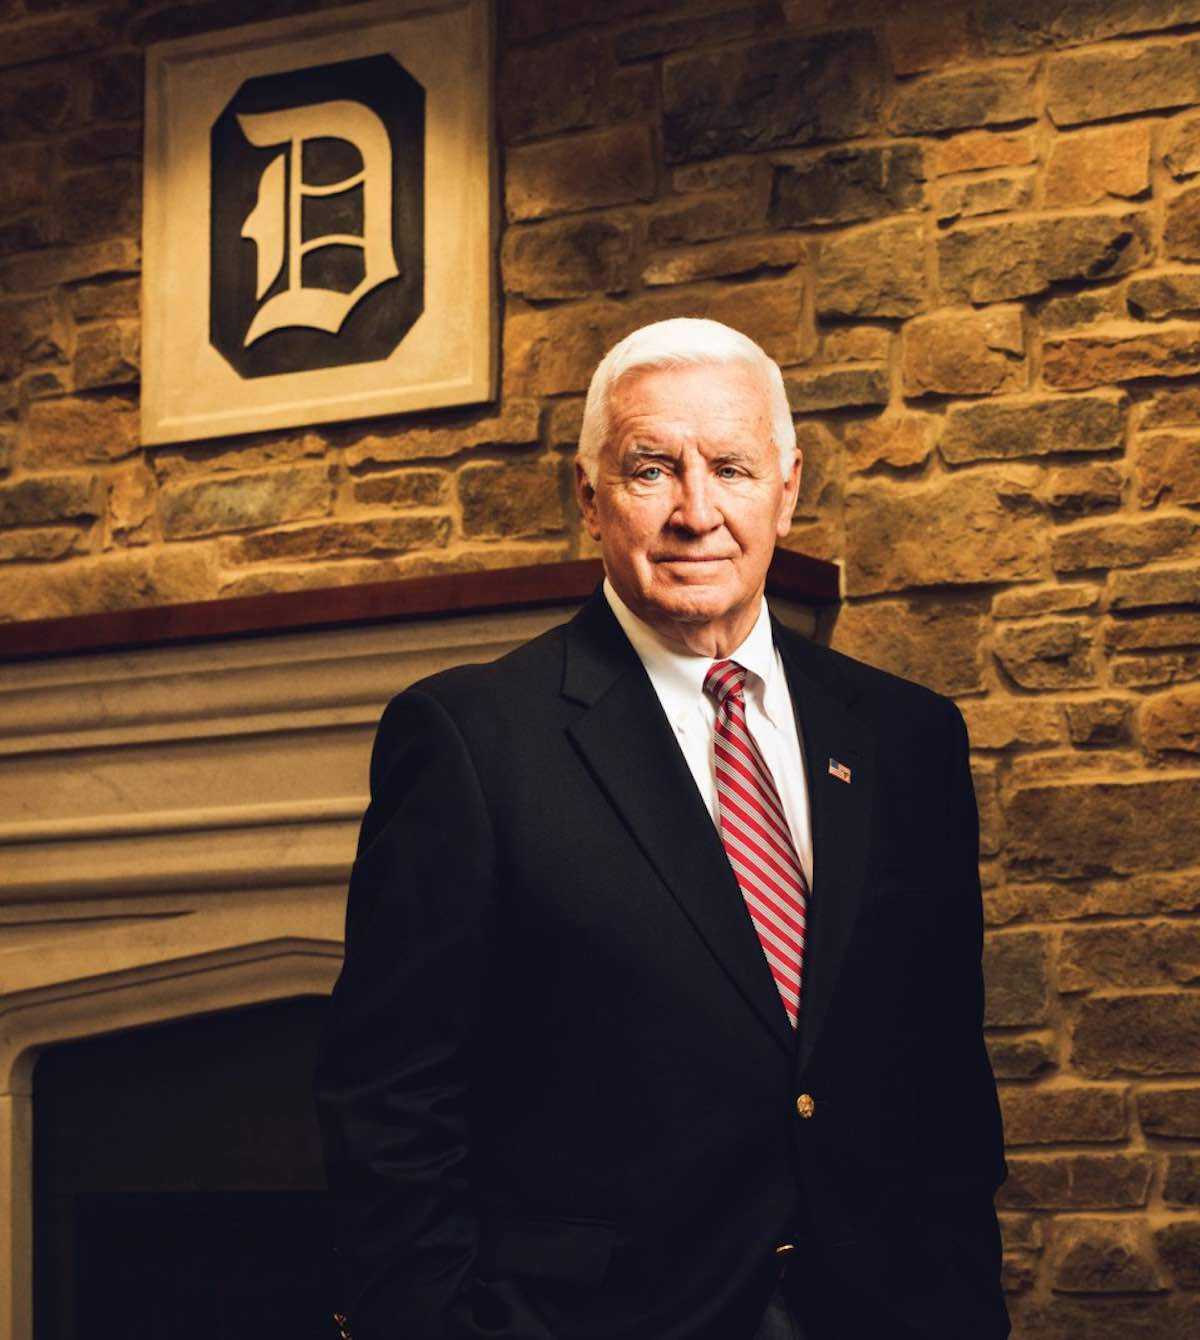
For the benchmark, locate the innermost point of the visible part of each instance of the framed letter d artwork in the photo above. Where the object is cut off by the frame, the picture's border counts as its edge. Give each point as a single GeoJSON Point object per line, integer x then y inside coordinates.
{"type": "Point", "coordinates": [319, 214]}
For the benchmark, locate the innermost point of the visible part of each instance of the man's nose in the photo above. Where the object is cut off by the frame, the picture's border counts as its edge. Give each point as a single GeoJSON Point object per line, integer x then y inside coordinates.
{"type": "Point", "coordinates": [695, 506]}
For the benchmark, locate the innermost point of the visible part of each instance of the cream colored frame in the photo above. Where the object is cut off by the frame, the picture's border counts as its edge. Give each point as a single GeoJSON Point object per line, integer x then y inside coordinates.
{"type": "Point", "coordinates": [189, 391]}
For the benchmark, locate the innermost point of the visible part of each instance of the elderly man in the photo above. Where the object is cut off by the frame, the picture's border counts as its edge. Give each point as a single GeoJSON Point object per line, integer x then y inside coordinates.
{"type": "Point", "coordinates": [661, 1010]}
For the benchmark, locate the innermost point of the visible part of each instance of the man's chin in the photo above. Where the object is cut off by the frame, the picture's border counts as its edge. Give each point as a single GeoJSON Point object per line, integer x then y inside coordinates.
{"type": "Point", "coordinates": [695, 602]}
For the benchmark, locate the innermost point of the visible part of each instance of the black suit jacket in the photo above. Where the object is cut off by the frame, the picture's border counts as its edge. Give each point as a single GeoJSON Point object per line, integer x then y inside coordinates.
{"type": "Point", "coordinates": [558, 1091]}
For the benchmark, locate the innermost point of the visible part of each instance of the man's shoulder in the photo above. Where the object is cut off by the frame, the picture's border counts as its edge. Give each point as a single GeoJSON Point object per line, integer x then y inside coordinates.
{"type": "Point", "coordinates": [491, 708]}
{"type": "Point", "coordinates": [530, 670]}
{"type": "Point", "coordinates": [879, 692]}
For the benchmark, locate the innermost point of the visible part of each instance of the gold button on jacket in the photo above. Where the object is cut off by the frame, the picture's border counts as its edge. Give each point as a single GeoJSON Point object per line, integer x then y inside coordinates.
{"type": "Point", "coordinates": [806, 1105]}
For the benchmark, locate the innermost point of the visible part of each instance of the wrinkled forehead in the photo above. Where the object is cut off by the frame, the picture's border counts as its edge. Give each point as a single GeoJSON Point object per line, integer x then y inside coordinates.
{"type": "Point", "coordinates": [748, 378]}
{"type": "Point", "coordinates": [716, 407]}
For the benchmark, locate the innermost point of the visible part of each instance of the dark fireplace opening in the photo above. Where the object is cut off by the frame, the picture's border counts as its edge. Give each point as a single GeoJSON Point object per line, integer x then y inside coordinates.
{"type": "Point", "coordinates": [178, 1190]}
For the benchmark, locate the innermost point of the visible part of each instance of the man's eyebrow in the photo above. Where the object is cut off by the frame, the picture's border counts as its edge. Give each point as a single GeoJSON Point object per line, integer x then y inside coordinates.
{"type": "Point", "coordinates": [643, 451]}
{"type": "Point", "coordinates": [742, 458]}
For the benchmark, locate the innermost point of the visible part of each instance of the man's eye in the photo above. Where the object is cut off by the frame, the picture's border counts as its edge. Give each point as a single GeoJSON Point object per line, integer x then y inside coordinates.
{"type": "Point", "coordinates": [651, 473]}
{"type": "Point", "coordinates": [727, 472]}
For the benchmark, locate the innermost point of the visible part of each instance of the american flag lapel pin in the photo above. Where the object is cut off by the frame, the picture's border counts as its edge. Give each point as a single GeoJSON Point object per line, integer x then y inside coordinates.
{"type": "Point", "coordinates": [839, 770]}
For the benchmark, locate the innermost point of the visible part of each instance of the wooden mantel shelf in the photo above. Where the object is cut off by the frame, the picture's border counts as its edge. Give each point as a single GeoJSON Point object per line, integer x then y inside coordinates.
{"type": "Point", "coordinates": [792, 577]}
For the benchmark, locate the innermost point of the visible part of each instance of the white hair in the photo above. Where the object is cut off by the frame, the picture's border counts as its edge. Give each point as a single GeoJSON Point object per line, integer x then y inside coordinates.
{"type": "Point", "coordinates": [681, 342]}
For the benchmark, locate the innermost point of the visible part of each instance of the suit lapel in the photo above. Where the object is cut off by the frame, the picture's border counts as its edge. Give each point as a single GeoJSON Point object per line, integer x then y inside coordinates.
{"type": "Point", "coordinates": [629, 747]}
{"type": "Point", "coordinates": [841, 814]}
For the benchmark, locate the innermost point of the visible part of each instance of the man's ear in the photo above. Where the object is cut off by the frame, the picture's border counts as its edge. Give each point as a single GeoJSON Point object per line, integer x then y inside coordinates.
{"type": "Point", "coordinates": [791, 492]}
{"type": "Point", "coordinates": [585, 495]}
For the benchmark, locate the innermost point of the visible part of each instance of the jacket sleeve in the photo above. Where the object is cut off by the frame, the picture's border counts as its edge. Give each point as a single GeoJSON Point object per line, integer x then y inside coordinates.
{"type": "Point", "coordinates": [965, 1117]}
{"type": "Point", "coordinates": [393, 1080]}
{"type": "Point", "coordinates": [960, 1126]}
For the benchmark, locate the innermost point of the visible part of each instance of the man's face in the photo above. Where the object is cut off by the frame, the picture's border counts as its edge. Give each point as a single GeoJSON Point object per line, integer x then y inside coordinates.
{"type": "Point", "coordinates": [689, 500]}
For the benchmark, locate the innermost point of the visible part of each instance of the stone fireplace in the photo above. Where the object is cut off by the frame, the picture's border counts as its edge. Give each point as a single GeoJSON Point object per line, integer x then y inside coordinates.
{"type": "Point", "coordinates": [179, 1165]}
{"type": "Point", "coordinates": [178, 818]}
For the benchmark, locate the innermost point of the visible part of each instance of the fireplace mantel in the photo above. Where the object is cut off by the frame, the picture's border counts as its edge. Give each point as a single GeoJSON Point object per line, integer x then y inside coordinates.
{"type": "Point", "coordinates": [180, 794]}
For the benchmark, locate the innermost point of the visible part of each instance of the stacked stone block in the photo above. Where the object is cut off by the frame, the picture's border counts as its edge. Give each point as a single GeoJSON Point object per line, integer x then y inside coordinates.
{"type": "Point", "coordinates": [969, 230]}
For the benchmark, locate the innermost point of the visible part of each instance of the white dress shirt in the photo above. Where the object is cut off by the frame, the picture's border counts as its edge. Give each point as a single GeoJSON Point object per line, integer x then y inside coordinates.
{"type": "Point", "coordinates": [678, 679]}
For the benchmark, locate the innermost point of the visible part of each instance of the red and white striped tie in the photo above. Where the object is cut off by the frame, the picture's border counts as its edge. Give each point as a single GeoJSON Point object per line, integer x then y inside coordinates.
{"type": "Point", "coordinates": [756, 835]}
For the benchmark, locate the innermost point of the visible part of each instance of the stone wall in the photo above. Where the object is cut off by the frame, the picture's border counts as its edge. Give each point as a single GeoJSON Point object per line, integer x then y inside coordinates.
{"type": "Point", "coordinates": [970, 231]}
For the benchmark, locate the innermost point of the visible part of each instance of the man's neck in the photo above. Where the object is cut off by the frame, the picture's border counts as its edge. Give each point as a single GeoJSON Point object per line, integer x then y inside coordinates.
{"type": "Point", "coordinates": [714, 640]}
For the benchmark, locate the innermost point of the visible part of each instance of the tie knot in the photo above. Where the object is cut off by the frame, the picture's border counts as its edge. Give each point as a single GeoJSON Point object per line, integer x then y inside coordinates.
{"type": "Point", "coordinates": [725, 680]}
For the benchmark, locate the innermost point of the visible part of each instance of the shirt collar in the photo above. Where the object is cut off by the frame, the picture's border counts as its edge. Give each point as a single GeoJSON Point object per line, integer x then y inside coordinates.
{"type": "Point", "coordinates": [679, 676]}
